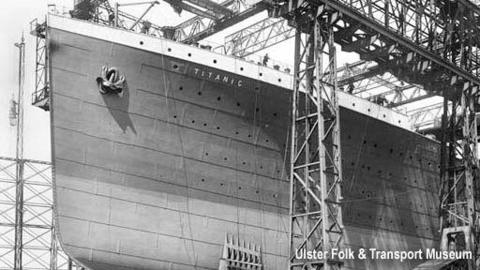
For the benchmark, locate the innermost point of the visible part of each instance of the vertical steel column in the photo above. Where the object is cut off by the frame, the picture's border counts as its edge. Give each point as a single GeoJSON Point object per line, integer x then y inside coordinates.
{"type": "Point", "coordinates": [117, 6]}
{"type": "Point", "coordinates": [53, 244]}
{"type": "Point", "coordinates": [19, 216]}
{"type": "Point", "coordinates": [19, 159]}
{"type": "Point", "coordinates": [315, 172]}
{"type": "Point", "coordinates": [459, 176]}
{"type": "Point", "coordinates": [70, 264]}
{"type": "Point", "coordinates": [459, 165]}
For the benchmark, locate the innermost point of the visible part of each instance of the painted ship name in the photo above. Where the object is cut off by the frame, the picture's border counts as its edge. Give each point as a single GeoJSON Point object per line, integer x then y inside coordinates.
{"type": "Point", "coordinates": [215, 76]}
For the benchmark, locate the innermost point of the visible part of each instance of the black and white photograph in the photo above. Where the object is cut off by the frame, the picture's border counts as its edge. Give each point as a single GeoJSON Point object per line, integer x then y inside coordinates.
{"type": "Point", "coordinates": [239, 135]}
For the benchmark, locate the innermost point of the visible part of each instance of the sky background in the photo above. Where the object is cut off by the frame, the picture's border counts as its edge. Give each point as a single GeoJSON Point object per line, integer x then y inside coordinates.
{"type": "Point", "coordinates": [15, 17]}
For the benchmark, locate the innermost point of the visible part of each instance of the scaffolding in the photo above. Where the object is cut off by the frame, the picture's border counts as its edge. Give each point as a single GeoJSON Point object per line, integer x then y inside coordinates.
{"type": "Point", "coordinates": [36, 248]}
{"type": "Point", "coordinates": [41, 93]}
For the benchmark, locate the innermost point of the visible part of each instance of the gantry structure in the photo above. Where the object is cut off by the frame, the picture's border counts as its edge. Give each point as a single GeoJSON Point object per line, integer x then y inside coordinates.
{"type": "Point", "coordinates": [409, 51]}
{"type": "Point", "coordinates": [429, 43]}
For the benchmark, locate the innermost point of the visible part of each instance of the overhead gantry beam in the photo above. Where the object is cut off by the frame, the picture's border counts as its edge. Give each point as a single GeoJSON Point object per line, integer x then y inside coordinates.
{"type": "Point", "coordinates": [209, 9]}
{"type": "Point", "coordinates": [180, 5]}
{"type": "Point", "coordinates": [427, 118]}
{"type": "Point", "coordinates": [106, 15]}
{"type": "Point", "coordinates": [200, 27]}
{"type": "Point", "coordinates": [368, 80]}
{"type": "Point", "coordinates": [211, 18]}
{"type": "Point", "coordinates": [258, 36]}
{"type": "Point", "coordinates": [363, 76]}
{"type": "Point", "coordinates": [271, 31]}
{"type": "Point", "coordinates": [416, 35]}
{"type": "Point", "coordinates": [217, 9]}
{"type": "Point", "coordinates": [198, 23]}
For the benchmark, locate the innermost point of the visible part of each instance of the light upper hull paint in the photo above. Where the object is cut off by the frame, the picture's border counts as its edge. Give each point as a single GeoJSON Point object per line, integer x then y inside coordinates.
{"type": "Point", "coordinates": [155, 177]}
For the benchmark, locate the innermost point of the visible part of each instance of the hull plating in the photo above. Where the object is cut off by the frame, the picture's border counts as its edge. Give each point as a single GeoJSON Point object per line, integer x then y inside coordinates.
{"type": "Point", "coordinates": [155, 178]}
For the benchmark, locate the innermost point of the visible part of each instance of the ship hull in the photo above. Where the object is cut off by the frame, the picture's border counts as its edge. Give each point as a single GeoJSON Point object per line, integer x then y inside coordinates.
{"type": "Point", "coordinates": [155, 177]}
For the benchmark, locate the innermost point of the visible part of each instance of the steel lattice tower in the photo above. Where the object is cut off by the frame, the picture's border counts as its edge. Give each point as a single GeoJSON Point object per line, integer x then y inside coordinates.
{"type": "Point", "coordinates": [316, 173]}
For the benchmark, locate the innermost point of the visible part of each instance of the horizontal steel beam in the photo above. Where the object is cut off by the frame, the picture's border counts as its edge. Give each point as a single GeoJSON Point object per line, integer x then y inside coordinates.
{"type": "Point", "coordinates": [224, 23]}
{"type": "Point", "coordinates": [204, 13]}
{"type": "Point", "coordinates": [210, 5]}
{"type": "Point", "coordinates": [347, 11]}
{"type": "Point", "coordinates": [258, 36]}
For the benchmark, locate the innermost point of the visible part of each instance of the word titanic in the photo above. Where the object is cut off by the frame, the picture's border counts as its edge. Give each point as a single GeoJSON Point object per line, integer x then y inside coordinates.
{"type": "Point", "coordinates": [218, 77]}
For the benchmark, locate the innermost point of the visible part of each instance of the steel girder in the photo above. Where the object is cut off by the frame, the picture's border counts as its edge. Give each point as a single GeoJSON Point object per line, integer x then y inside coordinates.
{"type": "Point", "coordinates": [369, 81]}
{"type": "Point", "coordinates": [198, 28]}
{"type": "Point", "coordinates": [203, 8]}
{"type": "Point", "coordinates": [433, 36]}
{"type": "Point", "coordinates": [207, 22]}
{"type": "Point", "coordinates": [185, 30]}
{"type": "Point", "coordinates": [459, 177]}
{"type": "Point", "coordinates": [417, 41]}
{"type": "Point", "coordinates": [258, 36]}
{"type": "Point", "coordinates": [426, 118]}
{"type": "Point", "coordinates": [316, 170]}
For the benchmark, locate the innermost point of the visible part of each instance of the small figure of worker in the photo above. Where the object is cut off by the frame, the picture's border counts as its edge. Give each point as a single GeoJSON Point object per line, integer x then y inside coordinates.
{"type": "Point", "coordinates": [265, 59]}
{"type": "Point", "coordinates": [111, 19]}
{"type": "Point", "coordinates": [382, 101]}
{"type": "Point", "coordinates": [146, 25]}
{"type": "Point", "coordinates": [350, 88]}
